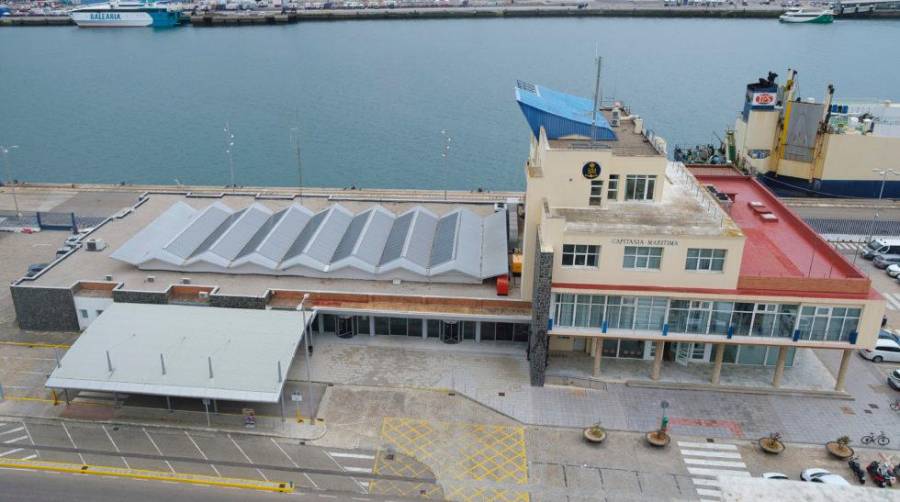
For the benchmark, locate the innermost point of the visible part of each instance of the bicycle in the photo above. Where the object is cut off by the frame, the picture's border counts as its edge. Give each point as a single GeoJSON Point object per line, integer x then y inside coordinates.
{"type": "Point", "coordinates": [880, 439]}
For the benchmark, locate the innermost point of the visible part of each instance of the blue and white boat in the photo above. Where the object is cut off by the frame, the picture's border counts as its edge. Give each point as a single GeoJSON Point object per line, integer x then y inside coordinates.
{"type": "Point", "coordinates": [126, 14]}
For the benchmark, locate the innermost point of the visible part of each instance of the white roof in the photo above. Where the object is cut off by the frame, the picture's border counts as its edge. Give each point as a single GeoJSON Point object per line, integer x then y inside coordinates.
{"type": "Point", "coordinates": [375, 244]}
{"type": "Point", "coordinates": [244, 346]}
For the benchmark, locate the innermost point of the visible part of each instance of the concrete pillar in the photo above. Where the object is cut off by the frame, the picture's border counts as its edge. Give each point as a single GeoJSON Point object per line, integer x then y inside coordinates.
{"type": "Point", "coordinates": [371, 325]}
{"type": "Point", "coordinates": [424, 328]}
{"type": "Point", "coordinates": [477, 331]}
{"type": "Point", "coordinates": [779, 366]}
{"type": "Point", "coordinates": [842, 372]}
{"type": "Point", "coordinates": [538, 349]}
{"type": "Point", "coordinates": [717, 368]}
{"type": "Point", "coordinates": [321, 325]}
{"type": "Point", "coordinates": [598, 354]}
{"type": "Point", "coordinates": [657, 360]}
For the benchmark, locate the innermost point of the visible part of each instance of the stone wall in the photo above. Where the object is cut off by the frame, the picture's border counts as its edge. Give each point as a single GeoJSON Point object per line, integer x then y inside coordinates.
{"type": "Point", "coordinates": [238, 302]}
{"type": "Point", "coordinates": [44, 309]}
{"type": "Point", "coordinates": [122, 296]}
{"type": "Point", "coordinates": [540, 314]}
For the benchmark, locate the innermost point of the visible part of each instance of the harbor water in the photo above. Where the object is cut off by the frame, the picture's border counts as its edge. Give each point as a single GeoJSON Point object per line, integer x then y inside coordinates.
{"type": "Point", "coordinates": [369, 99]}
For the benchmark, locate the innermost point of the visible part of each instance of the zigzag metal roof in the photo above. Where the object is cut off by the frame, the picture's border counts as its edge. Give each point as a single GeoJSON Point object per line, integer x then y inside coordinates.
{"type": "Point", "coordinates": [417, 245]}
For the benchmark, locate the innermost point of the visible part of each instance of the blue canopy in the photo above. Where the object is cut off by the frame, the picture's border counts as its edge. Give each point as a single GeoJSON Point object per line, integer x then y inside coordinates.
{"type": "Point", "coordinates": [560, 114]}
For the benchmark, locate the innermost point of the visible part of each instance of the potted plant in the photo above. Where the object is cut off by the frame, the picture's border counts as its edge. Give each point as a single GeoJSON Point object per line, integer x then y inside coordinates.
{"type": "Point", "coordinates": [595, 433]}
{"type": "Point", "coordinates": [772, 443]}
{"type": "Point", "coordinates": [840, 448]}
{"type": "Point", "coordinates": [658, 438]}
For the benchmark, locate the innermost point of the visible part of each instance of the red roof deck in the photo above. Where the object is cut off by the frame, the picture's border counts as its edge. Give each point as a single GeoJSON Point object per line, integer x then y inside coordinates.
{"type": "Point", "coordinates": [781, 251]}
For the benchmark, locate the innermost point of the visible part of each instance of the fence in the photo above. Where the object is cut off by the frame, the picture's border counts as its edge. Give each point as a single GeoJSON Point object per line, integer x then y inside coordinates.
{"type": "Point", "coordinates": [854, 227]}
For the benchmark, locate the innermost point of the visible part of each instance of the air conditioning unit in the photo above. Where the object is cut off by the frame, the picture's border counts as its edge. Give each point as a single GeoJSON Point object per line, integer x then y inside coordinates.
{"type": "Point", "coordinates": [107, 278]}
{"type": "Point", "coordinates": [204, 295]}
{"type": "Point", "coordinates": [96, 245]}
{"type": "Point", "coordinates": [185, 280]}
{"type": "Point", "coordinates": [616, 117]}
{"type": "Point", "coordinates": [499, 206]}
{"type": "Point", "coordinates": [151, 278]}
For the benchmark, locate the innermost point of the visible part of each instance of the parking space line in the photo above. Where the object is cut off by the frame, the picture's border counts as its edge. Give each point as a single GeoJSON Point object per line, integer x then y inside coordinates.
{"type": "Point", "coordinates": [10, 452]}
{"type": "Point", "coordinates": [16, 440]}
{"type": "Point", "coordinates": [30, 440]}
{"type": "Point", "coordinates": [295, 464]}
{"type": "Point", "coordinates": [80, 456]}
{"type": "Point", "coordinates": [246, 457]}
{"type": "Point", "coordinates": [361, 487]}
{"type": "Point", "coordinates": [115, 446]}
{"type": "Point", "coordinates": [202, 454]}
{"type": "Point", "coordinates": [157, 449]}
{"type": "Point", "coordinates": [30, 457]}
{"type": "Point", "coordinates": [357, 469]}
{"type": "Point", "coordinates": [351, 455]}
{"type": "Point", "coordinates": [17, 429]}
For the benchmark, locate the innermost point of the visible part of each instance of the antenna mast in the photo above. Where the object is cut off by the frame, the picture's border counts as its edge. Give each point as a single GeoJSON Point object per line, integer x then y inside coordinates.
{"type": "Point", "coordinates": [596, 100]}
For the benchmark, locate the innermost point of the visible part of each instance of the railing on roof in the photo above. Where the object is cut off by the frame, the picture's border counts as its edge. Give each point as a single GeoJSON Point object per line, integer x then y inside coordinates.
{"type": "Point", "coordinates": [679, 175]}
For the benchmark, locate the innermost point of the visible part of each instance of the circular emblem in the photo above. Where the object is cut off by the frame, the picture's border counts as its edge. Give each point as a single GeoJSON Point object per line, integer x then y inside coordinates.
{"type": "Point", "coordinates": [590, 170]}
{"type": "Point", "coordinates": [764, 99]}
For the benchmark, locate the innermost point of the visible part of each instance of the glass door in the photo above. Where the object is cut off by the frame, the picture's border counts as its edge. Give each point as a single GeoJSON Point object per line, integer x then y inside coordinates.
{"type": "Point", "coordinates": [346, 327]}
{"type": "Point", "coordinates": [683, 353]}
{"type": "Point", "coordinates": [450, 332]}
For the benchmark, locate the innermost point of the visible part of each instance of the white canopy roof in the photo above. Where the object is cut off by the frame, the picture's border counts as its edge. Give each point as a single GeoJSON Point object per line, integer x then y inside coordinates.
{"type": "Point", "coordinates": [243, 348]}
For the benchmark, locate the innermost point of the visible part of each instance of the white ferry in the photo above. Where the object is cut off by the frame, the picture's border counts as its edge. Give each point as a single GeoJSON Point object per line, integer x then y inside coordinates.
{"type": "Point", "coordinates": [126, 14]}
{"type": "Point", "coordinates": [813, 16]}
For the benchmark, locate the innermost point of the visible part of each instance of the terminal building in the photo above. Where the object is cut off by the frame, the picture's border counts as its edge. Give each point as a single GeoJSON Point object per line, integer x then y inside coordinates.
{"type": "Point", "coordinates": [613, 251]}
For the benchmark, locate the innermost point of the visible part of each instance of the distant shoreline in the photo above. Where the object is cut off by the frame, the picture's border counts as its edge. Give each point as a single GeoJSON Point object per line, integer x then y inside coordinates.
{"type": "Point", "coordinates": [226, 18]}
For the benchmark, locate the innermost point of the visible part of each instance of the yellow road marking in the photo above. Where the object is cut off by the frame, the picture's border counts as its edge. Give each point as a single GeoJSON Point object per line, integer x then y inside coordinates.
{"type": "Point", "coordinates": [37, 345]}
{"type": "Point", "coordinates": [247, 484]}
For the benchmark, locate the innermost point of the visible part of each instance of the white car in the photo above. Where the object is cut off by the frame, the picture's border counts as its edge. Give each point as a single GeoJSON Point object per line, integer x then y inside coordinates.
{"type": "Point", "coordinates": [817, 475]}
{"type": "Point", "coordinates": [885, 350]}
{"type": "Point", "coordinates": [893, 270]}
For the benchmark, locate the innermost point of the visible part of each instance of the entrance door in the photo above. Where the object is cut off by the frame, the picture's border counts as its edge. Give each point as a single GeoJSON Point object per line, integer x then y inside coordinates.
{"type": "Point", "coordinates": [346, 327]}
{"type": "Point", "coordinates": [683, 353]}
{"type": "Point", "coordinates": [450, 332]}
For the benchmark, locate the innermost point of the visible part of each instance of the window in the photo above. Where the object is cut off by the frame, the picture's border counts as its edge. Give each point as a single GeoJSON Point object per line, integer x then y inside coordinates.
{"type": "Point", "coordinates": [596, 192]}
{"type": "Point", "coordinates": [581, 311]}
{"type": "Point", "coordinates": [99, 312]}
{"type": "Point", "coordinates": [84, 313]}
{"type": "Point", "coordinates": [712, 260]}
{"type": "Point", "coordinates": [612, 190]}
{"type": "Point", "coordinates": [827, 323]}
{"type": "Point", "coordinates": [580, 255]}
{"type": "Point", "coordinates": [772, 319]}
{"type": "Point", "coordinates": [642, 257]}
{"type": "Point", "coordinates": [639, 186]}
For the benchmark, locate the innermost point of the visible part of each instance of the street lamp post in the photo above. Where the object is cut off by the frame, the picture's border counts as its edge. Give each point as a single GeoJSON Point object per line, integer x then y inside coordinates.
{"type": "Point", "coordinates": [9, 174]}
{"type": "Point", "coordinates": [229, 143]}
{"type": "Point", "coordinates": [884, 174]}
{"type": "Point", "coordinates": [302, 309]}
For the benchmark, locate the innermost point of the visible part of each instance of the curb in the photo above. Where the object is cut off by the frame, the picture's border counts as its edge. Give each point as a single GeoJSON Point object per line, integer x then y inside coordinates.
{"type": "Point", "coordinates": [734, 389]}
{"type": "Point", "coordinates": [171, 477]}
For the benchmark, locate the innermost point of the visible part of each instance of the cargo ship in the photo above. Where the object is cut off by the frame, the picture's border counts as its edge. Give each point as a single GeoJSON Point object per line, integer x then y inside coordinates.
{"type": "Point", "coordinates": [816, 148]}
{"type": "Point", "coordinates": [126, 15]}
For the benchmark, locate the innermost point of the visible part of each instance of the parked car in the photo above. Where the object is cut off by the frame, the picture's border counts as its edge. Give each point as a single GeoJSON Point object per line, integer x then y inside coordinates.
{"type": "Point", "coordinates": [881, 246]}
{"type": "Point", "coordinates": [893, 270]}
{"type": "Point", "coordinates": [34, 269]}
{"type": "Point", "coordinates": [817, 475]}
{"type": "Point", "coordinates": [894, 379]}
{"type": "Point", "coordinates": [884, 260]}
{"type": "Point", "coordinates": [885, 350]}
{"type": "Point", "coordinates": [887, 335]}
{"type": "Point", "coordinates": [774, 475]}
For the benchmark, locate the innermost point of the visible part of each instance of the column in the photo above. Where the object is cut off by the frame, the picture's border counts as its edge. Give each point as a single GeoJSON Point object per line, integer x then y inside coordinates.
{"type": "Point", "coordinates": [424, 329]}
{"type": "Point", "coordinates": [477, 331]}
{"type": "Point", "coordinates": [321, 326]}
{"type": "Point", "coordinates": [598, 354]}
{"type": "Point", "coordinates": [657, 360]}
{"type": "Point", "coordinates": [717, 368]}
{"type": "Point", "coordinates": [842, 372]}
{"type": "Point", "coordinates": [371, 325]}
{"type": "Point", "coordinates": [779, 366]}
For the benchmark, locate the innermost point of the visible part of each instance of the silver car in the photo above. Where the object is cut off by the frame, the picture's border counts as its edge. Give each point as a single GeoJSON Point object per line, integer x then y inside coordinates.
{"type": "Point", "coordinates": [884, 260]}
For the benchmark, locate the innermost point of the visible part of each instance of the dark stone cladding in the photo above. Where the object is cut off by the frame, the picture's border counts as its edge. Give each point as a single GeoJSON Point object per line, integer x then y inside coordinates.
{"type": "Point", "coordinates": [44, 309]}
{"type": "Point", "coordinates": [540, 314]}
{"type": "Point", "coordinates": [123, 296]}
{"type": "Point", "coordinates": [238, 302]}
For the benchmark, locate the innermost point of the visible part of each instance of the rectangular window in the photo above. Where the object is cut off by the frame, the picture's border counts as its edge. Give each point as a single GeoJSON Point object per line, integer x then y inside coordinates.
{"type": "Point", "coordinates": [580, 255]}
{"type": "Point", "coordinates": [84, 313]}
{"type": "Point", "coordinates": [639, 186]}
{"type": "Point", "coordinates": [712, 260]}
{"type": "Point", "coordinates": [642, 257]}
{"type": "Point", "coordinates": [580, 311]}
{"type": "Point", "coordinates": [612, 190]}
{"type": "Point", "coordinates": [596, 192]}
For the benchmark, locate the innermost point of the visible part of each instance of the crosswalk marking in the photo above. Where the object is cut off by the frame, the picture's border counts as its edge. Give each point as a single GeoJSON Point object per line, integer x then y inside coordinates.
{"type": "Point", "coordinates": [707, 446]}
{"type": "Point", "coordinates": [893, 300]}
{"type": "Point", "coordinates": [709, 493]}
{"type": "Point", "coordinates": [705, 482]}
{"type": "Point", "coordinates": [714, 463]}
{"type": "Point", "coordinates": [847, 246]}
{"type": "Point", "coordinates": [713, 454]}
{"type": "Point", "coordinates": [701, 471]}
{"type": "Point", "coordinates": [357, 469]}
{"type": "Point", "coordinates": [706, 462]}
{"type": "Point", "coordinates": [351, 455]}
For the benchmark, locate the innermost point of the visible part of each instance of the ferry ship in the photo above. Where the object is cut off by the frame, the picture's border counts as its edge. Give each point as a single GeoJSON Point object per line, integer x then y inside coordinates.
{"type": "Point", "coordinates": [804, 147]}
{"type": "Point", "coordinates": [126, 14]}
{"type": "Point", "coordinates": [812, 16]}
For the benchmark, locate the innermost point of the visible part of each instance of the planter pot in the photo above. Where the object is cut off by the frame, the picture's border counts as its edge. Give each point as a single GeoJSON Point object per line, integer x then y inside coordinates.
{"type": "Point", "coordinates": [658, 440]}
{"type": "Point", "coordinates": [773, 447]}
{"type": "Point", "coordinates": [591, 437]}
{"type": "Point", "coordinates": [836, 450]}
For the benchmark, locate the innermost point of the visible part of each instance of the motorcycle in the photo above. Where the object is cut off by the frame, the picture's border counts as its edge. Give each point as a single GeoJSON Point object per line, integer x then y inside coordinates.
{"type": "Point", "coordinates": [857, 470]}
{"type": "Point", "coordinates": [880, 474]}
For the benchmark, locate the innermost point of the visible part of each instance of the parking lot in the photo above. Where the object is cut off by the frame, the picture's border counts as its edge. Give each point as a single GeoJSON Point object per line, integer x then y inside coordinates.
{"type": "Point", "coordinates": [240, 456]}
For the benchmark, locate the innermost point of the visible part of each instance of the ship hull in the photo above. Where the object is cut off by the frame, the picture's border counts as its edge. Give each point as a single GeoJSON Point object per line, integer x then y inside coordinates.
{"type": "Point", "coordinates": [127, 19]}
{"type": "Point", "coordinates": [787, 186]}
{"type": "Point", "coordinates": [823, 19]}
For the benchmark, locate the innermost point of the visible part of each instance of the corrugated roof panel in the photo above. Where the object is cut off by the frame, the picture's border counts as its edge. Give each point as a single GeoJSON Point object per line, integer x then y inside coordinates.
{"type": "Point", "coordinates": [240, 233]}
{"type": "Point", "coordinates": [220, 231]}
{"type": "Point", "coordinates": [261, 233]}
{"type": "Point", "coordinates": [494, 258]}
{"type": "Point", "coordinates": [154, 236]}
{"type": "Point", "coordinates": [354, 230]}
{"type": "Point", "coordinates": [305, 235]}
{"type": "Point", "coordinates": [468, 244]}
{"type": "Point", "coordinates": [374, 237]}
{"type": "Point", "coordinates": [444, 243]}
{"type": "Point", "coordinates": [283, 235]}
{"type": "Point", "coordinates": [393, 246]}
{"type": "Point", "coordinates": [329, 236]}
{"type": "Point", "coordinates": [193, 236]}
{"type": "Point", "coordinates": [418, 250]}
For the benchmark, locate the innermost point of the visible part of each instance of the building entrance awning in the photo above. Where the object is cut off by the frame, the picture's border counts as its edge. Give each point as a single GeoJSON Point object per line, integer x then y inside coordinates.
{"type": "Point", "coordinates": [184, 351]}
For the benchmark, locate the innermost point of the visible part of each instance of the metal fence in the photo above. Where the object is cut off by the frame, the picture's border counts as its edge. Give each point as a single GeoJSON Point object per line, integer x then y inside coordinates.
{"type": "Point", "coordinates": [854, 226]}
{"type": "Point", "coordinates": [46, 220]}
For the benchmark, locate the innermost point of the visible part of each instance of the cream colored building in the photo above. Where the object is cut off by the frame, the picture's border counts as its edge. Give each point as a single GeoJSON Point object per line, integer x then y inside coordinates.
{"type": "Point", "coordinates": [651, 260]}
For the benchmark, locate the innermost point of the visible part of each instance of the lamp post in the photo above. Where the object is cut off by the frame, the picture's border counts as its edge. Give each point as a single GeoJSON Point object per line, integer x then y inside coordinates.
{"type": "Point", "coordinates": [445, 152]}
{"type": "Point", "coordinates": [229, 143]}
{"type": "Point", "coordinates": [302, 310]}
{"type": "Point", "coordinates": [884, 174]}
{"type": "Point", "coordinates": [9, 174]}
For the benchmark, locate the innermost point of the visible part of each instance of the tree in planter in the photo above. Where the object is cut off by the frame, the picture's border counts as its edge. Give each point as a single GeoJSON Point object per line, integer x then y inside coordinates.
{"type": "Point", "coordinates": [595, 433]}
{"type": "Point", "coordinates": [772, 443]}
{"type": "Point", "coordinates": [840, 447]}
